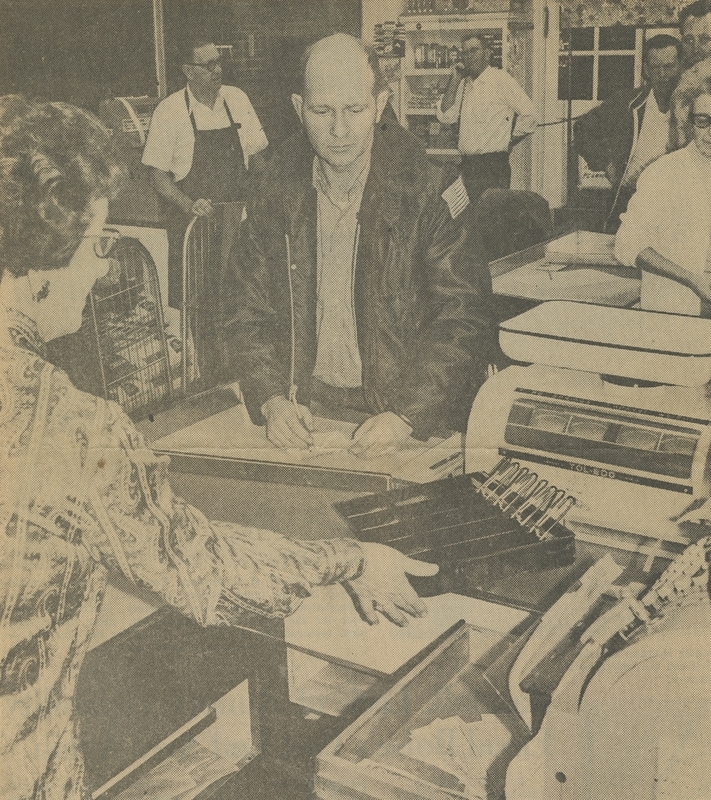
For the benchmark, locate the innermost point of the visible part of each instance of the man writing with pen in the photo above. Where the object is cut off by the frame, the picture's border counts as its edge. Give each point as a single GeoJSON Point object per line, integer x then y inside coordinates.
{"type": "Point", "coordinates": [360, 294]}
{"type": "Point", "coordinates": [200, 149]}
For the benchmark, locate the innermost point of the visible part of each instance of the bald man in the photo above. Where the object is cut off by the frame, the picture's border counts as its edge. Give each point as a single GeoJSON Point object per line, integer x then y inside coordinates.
{"type": "Point", "coordinates": [361, 296]}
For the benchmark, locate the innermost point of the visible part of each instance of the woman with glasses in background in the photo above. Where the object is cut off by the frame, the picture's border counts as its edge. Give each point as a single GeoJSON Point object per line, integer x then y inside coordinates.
{"type": "Point", "coordinates": [670, 213]}
{"type": "Point", "coordinates": [81, 494]}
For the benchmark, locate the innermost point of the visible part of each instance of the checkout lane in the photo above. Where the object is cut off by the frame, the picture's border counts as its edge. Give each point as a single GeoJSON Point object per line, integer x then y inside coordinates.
{"type": "Point", "coordinates": [288, 495]}
{"type": "Point", "coordinates": [289, 737]}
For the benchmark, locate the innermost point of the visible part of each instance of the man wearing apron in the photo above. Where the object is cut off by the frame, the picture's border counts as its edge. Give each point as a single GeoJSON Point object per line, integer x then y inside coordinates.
{"type": "Point", "coordinates": [198, 150]}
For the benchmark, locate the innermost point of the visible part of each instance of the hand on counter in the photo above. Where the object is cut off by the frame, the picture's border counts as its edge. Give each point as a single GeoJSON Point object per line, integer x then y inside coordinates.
{"type": "Point", "coordinates": [288, 425]}
{"type": "Point", "coordinates": [379, 435]}
{"type": "Point", "coordinates": [383, 587]}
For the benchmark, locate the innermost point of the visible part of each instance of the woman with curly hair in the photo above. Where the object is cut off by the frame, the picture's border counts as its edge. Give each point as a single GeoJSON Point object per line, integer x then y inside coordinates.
{"type": "Point", "coordinates": [81, 494]}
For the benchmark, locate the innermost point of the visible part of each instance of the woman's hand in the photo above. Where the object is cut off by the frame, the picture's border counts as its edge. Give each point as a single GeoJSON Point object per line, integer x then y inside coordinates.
{"type": "Point", "coordinates": [383, 587]}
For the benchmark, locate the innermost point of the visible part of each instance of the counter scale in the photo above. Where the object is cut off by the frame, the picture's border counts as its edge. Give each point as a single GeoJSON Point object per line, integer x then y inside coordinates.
{"type": "Point", "coordinates": [600, 419]}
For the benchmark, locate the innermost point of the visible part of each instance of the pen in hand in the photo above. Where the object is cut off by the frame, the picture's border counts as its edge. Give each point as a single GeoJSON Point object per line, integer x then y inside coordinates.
{"type": "Point", "coordinates": [306, 421]}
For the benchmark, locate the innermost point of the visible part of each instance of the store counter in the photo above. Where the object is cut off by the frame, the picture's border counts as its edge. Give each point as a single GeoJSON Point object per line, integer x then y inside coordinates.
{"type": "Point", "coordinates": [303, 683]}
{"type": "Point", "coordinates": [526, 276]}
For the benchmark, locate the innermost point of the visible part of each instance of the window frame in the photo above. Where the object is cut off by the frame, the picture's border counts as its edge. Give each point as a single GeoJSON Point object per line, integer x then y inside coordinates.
{"type": "Point", "coordinates": [564, 52]}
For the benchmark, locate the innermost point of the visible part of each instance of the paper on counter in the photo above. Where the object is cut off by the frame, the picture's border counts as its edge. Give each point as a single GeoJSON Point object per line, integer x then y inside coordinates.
{"type": "Point", "coordinates": [581, 247]}
{"type": "Point", "coordinates": [231, 434]}
{"type": "Point", "coordinates": [328, 624]}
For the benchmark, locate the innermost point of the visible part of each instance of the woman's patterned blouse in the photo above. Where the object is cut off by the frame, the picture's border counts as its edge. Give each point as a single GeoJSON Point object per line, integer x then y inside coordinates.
{"type": "Point", "coordinates": [82, 495]}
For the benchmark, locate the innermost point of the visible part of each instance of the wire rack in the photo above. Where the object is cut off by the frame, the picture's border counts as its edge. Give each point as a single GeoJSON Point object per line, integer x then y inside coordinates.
{"type": "Point", "coordinates": [125, 317]}
{"type": "Point", "coordinates": [200, 312]}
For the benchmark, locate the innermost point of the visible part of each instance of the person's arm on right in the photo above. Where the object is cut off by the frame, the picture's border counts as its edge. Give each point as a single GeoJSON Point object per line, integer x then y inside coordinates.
{"type": "Point", "coordinates": [639, 223]}
{"type": "Point", "coordinates": [525, 120]}
{"type": "Point", "coordinates": [158, 154]}
{"type": "Point", "coordinates": [651, 261]}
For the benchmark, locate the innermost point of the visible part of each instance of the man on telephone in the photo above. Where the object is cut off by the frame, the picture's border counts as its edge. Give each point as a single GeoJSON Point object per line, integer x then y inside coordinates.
{"type": "Point", "coordinates": [494, 115]}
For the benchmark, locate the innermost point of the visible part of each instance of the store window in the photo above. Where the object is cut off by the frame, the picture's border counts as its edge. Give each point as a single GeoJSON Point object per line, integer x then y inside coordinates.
{"type": "Point", "coordinates": [595, 62]}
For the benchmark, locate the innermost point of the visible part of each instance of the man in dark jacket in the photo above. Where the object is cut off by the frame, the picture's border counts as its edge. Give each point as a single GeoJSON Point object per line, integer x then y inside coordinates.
{"type": "Point", "coordinates": [359, 292]}
{"type": "Point", "coordinates": [628, 131]}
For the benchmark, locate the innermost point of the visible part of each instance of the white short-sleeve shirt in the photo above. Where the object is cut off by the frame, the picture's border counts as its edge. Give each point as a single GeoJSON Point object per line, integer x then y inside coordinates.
{"type": "Point", "coordinates": [170, 141]}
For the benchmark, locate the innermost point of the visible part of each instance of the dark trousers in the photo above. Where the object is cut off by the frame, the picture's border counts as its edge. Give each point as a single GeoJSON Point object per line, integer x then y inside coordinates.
{"type": "Point", "coordinates": [482, 172]}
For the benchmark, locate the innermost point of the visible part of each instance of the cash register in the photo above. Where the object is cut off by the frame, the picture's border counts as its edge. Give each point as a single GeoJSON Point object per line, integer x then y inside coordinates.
{"type": "Point", "coordinates": [612, 405]}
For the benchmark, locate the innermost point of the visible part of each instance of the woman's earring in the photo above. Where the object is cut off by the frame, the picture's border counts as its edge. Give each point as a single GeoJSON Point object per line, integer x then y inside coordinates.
{"type": "Point", "coordinates": [42, 293]}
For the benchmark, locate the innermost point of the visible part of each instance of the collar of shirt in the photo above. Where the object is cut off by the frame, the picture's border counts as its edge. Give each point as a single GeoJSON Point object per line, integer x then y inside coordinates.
{"type": "Point", "coordinates": [216, 108]}
{"type": "Point", "coordinates": [23, 332]}
{"type": "Point", "coordinates": [484, 74]}
{"type": "Point", "coordinates": [320, 182]}
{"type": "Point", "coordinates": [702, 162]}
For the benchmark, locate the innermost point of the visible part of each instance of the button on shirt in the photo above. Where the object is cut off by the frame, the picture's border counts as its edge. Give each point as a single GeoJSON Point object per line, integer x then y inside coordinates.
{"type": "Point", "coordinates": [338, 361]}
{"type": "Point", "coordinates": [170, 141]}
{"type": "Point", "coordinates": [488, 105]}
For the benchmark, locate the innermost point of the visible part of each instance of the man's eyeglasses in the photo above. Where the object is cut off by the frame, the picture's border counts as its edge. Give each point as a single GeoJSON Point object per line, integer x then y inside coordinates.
{"type": "Point", "coordinates": [701, 120]}
{"type": "Point", "coordinates": [210, 66]}
{"type": "Point", "coordinates": [476, 48]}
{"type": "Point", "coordinates": [104, 242]}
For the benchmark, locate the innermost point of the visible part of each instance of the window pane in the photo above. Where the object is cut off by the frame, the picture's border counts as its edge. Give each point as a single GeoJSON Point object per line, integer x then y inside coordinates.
{"type": "Point", "coordinates": [582, 38]}
{"type": "Point", "coordinates": [615, 72]}
{"type": "Point", "coordinates": [581, 78]}
{"type": "Point", "coordinates": [617, 37]}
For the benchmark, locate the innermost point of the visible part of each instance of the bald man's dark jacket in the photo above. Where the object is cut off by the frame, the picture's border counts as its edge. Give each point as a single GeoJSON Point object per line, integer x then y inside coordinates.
{"type": "Point", "coordinates": [422, 290]}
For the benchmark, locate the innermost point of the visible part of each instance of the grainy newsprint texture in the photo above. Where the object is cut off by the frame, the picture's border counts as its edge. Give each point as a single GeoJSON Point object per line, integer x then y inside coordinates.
{"type": "Point", "coordinates": [345, 450]}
